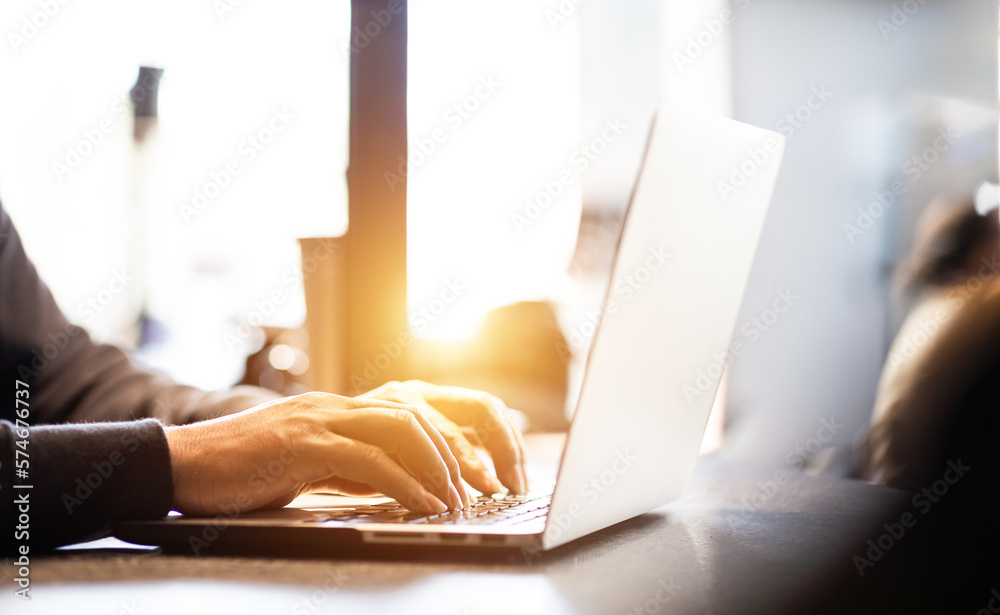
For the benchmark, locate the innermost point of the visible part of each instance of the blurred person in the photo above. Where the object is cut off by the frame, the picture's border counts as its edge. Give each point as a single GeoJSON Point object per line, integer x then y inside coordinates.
{"type": "Point", "coordinates": [944, 347]}
{"type": "Point", "coordinates": [935, 431]}
{"type": "Point", "coordinates": [934, 438]}
{"type": "Point", "coordinates": [101, 440]}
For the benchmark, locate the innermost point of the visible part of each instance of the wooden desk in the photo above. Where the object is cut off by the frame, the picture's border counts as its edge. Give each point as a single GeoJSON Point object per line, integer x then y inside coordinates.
{"type": "Point", "coordinates": [731, 544]}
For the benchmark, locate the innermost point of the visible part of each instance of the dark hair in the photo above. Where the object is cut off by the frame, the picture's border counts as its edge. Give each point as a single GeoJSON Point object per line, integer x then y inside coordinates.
{"type": "Point", "coordinates": [947, 237]}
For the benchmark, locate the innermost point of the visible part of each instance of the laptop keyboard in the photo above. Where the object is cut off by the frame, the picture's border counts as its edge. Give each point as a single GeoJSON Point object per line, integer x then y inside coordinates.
{"type": "Point", "coordinates": [496, 509]}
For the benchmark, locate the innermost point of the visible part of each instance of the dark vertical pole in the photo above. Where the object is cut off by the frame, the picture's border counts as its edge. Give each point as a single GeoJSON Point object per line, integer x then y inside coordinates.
{"type": "Point", "coordinates": [376, 237]}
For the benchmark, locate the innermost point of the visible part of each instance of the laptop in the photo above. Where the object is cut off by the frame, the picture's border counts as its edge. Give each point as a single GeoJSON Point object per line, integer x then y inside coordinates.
{"type": "Point", "coordinates": [687, 244]}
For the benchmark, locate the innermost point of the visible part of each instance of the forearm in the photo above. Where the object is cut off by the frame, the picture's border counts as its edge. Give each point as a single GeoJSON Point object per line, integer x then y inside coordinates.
{"type": "Point", "coordinates": [100, 383]}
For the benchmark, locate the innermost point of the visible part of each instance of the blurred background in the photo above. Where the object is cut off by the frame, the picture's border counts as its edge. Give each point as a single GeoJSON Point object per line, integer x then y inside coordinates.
{"type": "Point", "coordinates": [177, 236]}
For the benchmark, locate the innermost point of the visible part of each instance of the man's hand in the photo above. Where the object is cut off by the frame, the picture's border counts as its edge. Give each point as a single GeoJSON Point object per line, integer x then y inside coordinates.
{"type": "Point", "coordinates": [412, 452]}
{"type": "Point", "coordinates": [465, 417]}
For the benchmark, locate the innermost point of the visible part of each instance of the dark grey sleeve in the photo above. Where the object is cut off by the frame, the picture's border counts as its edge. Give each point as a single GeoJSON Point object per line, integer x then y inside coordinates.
{"type": "Point", "coordinates": [83, 477]}
{"type": "Point", "coordinates": [72, 380]}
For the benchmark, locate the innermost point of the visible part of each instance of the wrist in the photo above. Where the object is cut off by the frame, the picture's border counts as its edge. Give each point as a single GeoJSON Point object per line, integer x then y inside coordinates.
{"type": "Point", "coordinates": [179, 446]}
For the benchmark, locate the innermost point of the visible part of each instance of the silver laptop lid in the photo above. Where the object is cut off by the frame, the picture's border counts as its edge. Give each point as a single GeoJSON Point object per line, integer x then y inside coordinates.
{"type": "Point", "coordinates": [687, 243]}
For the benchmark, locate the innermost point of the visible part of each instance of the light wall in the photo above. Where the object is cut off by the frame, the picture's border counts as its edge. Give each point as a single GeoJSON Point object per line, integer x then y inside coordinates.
{"type": "Point", "coordinates": [887, 93]}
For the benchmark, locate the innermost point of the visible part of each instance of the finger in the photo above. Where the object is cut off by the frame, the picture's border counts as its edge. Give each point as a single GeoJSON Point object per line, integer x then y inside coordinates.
{"type": "Point", "coordinates": [400, 431]}
{"type": "Point", "coordinates": [360, 462]}
{"type": "Point", "coordinates": [281, 501]}
{"type": "Point", "coordinates": [445, 450]}
{"type": "Point", "coordinates": [519, 438]}
{"type": "Point", "coordinates": [342, 486]}
{"type": "Point", "coordinates": [365, 402]}
{"type": "Point", "coordinates": [508, 441]}
{"type": "Point", "coordinates": [404, 394]}
{"type": "Point", "coordinates": [477, 473]}
{"type": "Point", "coordinates": [488, 416]}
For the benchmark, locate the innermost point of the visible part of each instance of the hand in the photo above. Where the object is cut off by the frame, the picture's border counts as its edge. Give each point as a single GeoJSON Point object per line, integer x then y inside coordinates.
{"type": "Point", "coordinates": [269, 454]}
{"type": "Point", "coordinates": [460, 414]}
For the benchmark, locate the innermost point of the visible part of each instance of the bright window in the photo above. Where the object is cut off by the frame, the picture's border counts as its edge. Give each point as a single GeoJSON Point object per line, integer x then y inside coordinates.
{"type": "Point", "coordinates": [249, 154]}
{"type": "Point", "coordinates": [494, 180]}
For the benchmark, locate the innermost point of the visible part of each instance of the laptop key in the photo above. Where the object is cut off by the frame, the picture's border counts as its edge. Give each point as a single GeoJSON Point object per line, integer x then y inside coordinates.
{"type": "Point", "coordinates": [487, 509]}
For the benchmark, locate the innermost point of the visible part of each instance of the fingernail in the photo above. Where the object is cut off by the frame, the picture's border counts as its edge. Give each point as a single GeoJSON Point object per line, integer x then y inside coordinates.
{"type": "Point", "coordinates": [466, 496]}
{"type": "Point", "coordinates": [435, 504]}
{"type": "Point", "coordinates": [456, 500]}
{"type": "Point", "coordinates": [496, 486]}
{"type": "Point", "coordinates": [519, 481]}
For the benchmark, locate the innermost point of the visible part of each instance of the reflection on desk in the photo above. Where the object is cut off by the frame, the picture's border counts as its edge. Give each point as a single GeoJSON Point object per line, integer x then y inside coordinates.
{"type": "Point", "coordinates": [733, 543]}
